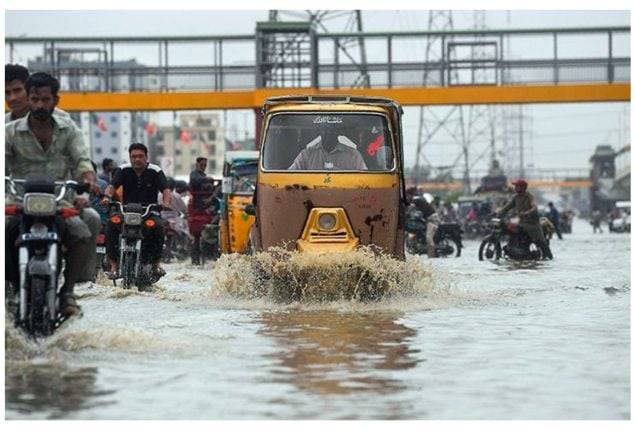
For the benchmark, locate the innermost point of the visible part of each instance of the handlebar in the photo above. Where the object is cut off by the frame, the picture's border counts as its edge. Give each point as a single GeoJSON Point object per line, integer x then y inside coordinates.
{"type": "Point", "coordinates": [73, 185]}
{"type": "Point", "coordinates": [145, 213]}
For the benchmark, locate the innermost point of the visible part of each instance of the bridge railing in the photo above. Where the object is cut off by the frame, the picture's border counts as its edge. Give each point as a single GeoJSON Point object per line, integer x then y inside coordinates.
{"type": "Point", "coordinates": [397, 59]}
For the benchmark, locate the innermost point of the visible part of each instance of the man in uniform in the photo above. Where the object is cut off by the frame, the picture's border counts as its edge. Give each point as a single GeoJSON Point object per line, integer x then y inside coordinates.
{"type": "Point", "coordinates": [42, 142]}
{"type": "Point", "coordinates": [329, 152]}
{"type": "Point", "coordinates": [525, 205]}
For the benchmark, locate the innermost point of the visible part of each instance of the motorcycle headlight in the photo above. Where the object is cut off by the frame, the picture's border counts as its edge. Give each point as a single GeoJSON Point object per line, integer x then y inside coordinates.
{"type": "Point", "coordinates": [39, 204]}
{"type": "Point", "coordinates": [39, 230]}
{"type": "Point", "coordinates": [327, 221]}
{"type": "Point", "coordinates": [132, 219]}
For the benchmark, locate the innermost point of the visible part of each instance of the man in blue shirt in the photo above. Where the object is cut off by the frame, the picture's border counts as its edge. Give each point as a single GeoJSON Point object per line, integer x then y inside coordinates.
{"type": "Point", "coordinates": [554, 217]}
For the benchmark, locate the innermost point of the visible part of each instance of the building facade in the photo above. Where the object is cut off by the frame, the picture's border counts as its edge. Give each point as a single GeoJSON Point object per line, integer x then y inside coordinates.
{"type": "Point", "coordinates": [176, 148]}
{"type": "Point", "coordinates": [109, 134]}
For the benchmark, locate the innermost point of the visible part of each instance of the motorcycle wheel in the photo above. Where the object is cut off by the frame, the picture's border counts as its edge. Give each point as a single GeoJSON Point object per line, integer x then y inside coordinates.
{"type": "Point", "coordinates": [534, 252]}
{"type": "Point", "coordinates": [447, 243]}
{"type": "Point", "coordinates": [490, 249]}
{"type": "Point", "coordinates": [410, 245]}
{"type": "Point", "coordinates": [38, 321]}
{"type": "Point", "coordinates": [128, 269]}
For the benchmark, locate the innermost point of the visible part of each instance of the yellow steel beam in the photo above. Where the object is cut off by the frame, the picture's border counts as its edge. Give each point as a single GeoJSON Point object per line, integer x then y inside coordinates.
{"type": "Point", "coordinates": [417, 96]}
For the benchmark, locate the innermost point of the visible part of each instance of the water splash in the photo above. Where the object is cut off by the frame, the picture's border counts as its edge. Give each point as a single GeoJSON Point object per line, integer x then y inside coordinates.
{"type": "Point", "coordinates": [287, 276]}
{"type": "Point", "coordinates": [17, 347]}
{"type": "Point", "coordinates": [112, 339]}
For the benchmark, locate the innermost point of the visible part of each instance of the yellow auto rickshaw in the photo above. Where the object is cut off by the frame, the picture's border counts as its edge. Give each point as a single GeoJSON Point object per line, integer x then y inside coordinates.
{"type": "Point", "coordinates": [330, 175]}
{"type": "Point", "coordinates": [239, 183]}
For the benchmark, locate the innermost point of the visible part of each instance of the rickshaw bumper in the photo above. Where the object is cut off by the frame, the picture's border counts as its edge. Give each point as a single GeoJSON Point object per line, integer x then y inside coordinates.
{"type": "Point", "coordinates": [326, 247]}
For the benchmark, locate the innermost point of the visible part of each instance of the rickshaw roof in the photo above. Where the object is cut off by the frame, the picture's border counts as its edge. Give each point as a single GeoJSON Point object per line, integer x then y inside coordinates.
{"type": "Point", "coordinates": [463, 199]}
{"type": "Point", "coordinates": [332, 99]}
{"type": "Point", "coordinates": [232, 156]}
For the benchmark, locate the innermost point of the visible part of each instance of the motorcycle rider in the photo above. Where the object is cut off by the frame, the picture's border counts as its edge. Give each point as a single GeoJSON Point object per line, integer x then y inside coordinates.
{"type": "Point", "coordinates": [43, 142]}
{"type": "Point", "coordinates": [141, 183]}
{"type": "Point", "coordinates": [172, 216]}
{"type": "Point", "coordinates": [429, 214]}
{"type": "Point", "coordinates": [525, 205]}
{"type": "Point", "coordinates": [15, 94]}
{"type": "Point", "coordinates": [177, 206]}
{"type": "Point", "coordinates": [449, 213]}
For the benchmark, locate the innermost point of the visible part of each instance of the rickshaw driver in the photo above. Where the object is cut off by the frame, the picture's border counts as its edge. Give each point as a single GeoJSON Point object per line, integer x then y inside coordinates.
{"type": "Point", "coordinates": [331, 151]}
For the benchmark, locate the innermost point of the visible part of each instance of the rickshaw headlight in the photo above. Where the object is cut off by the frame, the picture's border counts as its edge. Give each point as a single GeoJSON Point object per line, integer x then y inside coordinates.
{"type": "Point", "coordinates": [327, 221]}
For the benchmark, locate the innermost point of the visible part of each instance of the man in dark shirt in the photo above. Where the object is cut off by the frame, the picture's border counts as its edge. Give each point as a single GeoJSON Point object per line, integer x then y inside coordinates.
{"type": "Point", "coordinates": [200, 208]}
{"type": "Point", "coordinates": [141, 182]}
{"type": "Point", "coordinates": [554, 217]}
{"type": "Point", "coordinates": [429, 213]}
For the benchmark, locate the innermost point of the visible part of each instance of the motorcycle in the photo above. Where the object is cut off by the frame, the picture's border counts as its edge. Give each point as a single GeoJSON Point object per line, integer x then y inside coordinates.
{"type": "Point", "coordinates": [447, 240]}
{"type": "Point", "coordinates": [210, 241]}
{"type": "Point", "coordinates": [177, 239]}
{"type": "Point", "coordinates": [39, 250]}
{"type": "Point", "coordinates": [132, 268]}
{"type": "Point", "coordinates": [518, 244]}
{"type": "Point", "coordinates": [473, 229]}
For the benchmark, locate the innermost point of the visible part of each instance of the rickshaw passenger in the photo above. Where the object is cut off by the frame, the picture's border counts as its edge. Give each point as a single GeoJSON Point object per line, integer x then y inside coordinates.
{"type": "Point", "coordinates": [330, 152]}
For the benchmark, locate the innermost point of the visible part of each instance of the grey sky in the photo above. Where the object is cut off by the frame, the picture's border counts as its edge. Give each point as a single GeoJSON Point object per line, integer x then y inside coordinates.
{"type": "Point", "coordinates": [563, 135]}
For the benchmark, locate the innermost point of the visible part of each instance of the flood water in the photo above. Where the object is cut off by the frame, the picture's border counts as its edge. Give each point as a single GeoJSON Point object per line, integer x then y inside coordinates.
{"type": "Point", "coordinates": [548, 340]}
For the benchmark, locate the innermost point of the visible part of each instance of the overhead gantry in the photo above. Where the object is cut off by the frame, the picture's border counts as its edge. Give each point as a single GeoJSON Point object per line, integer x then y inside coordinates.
{"type": "Point", "coordinates": [573, 65]}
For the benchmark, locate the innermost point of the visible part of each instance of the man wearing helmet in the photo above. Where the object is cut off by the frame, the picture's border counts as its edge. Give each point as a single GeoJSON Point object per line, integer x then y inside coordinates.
{"type": "Point", "coordinates": [429, 213]}
{"type": "Point", "coordinates": [525, 205]}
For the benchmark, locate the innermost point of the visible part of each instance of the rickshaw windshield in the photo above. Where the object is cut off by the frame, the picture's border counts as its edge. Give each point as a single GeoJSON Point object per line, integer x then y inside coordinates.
{"type": "Point", "coordinates": [328, 142]}
{"type": "Point", "coordinates": [244, 177]}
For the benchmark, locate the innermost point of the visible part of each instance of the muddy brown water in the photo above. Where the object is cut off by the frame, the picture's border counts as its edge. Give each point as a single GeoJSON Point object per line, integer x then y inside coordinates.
{"type": "Point", "coordinates": [453, 339]}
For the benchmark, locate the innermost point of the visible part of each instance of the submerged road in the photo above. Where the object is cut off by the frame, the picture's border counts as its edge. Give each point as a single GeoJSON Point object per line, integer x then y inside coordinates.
{"type": "Point", "coordinates": [548, 340]}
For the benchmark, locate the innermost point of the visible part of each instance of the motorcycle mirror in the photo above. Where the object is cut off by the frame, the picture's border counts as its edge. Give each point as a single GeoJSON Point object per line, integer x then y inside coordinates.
{"type": "Point", "coordinates": [250, 210]}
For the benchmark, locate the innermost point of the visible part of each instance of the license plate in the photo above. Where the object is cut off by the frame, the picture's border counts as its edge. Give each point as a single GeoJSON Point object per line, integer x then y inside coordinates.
{"type": "Point", "coordinates": [101, 250]}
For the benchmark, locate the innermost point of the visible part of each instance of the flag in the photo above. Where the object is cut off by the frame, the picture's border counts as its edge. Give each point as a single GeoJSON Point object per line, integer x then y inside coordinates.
{"type": "Point", "coordinates": [150, 128]}
{"type": "Point", "coordinates": [184, 137]}
{"type": "Point", "coordinates": [99, 122]}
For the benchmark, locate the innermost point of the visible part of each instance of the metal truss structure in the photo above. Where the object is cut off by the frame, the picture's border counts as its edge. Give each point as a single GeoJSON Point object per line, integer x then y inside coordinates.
{"type": "Point", "coordinates": [220, 68]}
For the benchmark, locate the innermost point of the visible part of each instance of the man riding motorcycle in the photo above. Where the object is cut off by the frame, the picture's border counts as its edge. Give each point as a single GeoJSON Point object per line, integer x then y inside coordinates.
{"type": "Point", "coordinates": [43, 142]}
{"type": "Point", "coordinates": [525, 205]}
{"type": "Point", "coordinates": [429, 213]}
{"type": "Point", "coordinates": [141, 182]}
{"type": "Point", "coordinates": [174, 221]}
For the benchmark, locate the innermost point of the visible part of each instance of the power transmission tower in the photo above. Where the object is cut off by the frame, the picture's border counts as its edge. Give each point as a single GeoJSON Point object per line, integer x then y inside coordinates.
{"type": "Point", "coordinates": [472, 128]}
{"type": "Point", "coordinates": [350, 50]}
{"type": "Point", "coordinates": [517, 133]}
{"type": "Point", "coordinates": [429, 123]}
{"type": "Point", "coordinates": [481, 119]}
{"type": "Point", "coordinates": [515, 127]}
